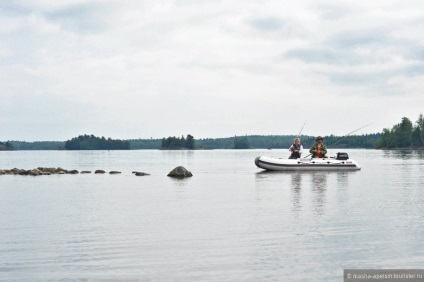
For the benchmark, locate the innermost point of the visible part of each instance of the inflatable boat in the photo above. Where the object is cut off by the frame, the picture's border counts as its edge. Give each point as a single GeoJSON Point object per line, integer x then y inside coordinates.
{"type": "Point", "coordinates": [341, 162]}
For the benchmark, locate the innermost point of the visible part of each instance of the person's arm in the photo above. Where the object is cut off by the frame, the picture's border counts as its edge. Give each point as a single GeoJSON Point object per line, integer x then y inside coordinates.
{"type": "Point", "coordinates": [313, 149]}
{"type": "Point", "coordinates": [291, 148]}
{"type": "Point", "coordinates": [323, 149]}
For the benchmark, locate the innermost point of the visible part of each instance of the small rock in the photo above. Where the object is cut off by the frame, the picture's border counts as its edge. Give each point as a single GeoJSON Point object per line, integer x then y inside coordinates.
{"type": "Point", "coordinates": [59, 169]}
{"type": "Point", "coordinates": [100, 171]}
{"type": "Point", "coordinates": [114, 172]}
{"type": "Point", "coordinates": [47, 169]}
{"type": "Point", "coordinates": [73, 171]}
{"type": "Point", "coordinates": [34, 172]}
{"type": "Point", "coordinates": [140, 173]}
{"type": "Point", "coordinates": [61, 172]}
{"type": "Point", "coordinates": [180, 172]}
{"type": "Point", "coordinates": [15, 171]}
{"type": "Point", "coordinates": [85, 171]}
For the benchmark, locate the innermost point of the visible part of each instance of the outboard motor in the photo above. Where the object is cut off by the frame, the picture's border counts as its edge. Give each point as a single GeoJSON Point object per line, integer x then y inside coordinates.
{"type": "Point", "coordinates": [342, 156]}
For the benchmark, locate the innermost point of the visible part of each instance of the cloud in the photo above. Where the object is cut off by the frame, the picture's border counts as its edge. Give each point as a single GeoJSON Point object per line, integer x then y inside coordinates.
{"type": "Point", "coordinates": [267, 24]}
{"type": "Point", "coordinates": [358, 38]}
{"type": "Point", "coordinates": [82, 18]}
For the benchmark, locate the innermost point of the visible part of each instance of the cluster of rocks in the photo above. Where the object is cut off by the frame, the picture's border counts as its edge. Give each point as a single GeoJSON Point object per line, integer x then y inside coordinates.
{"type": "Point", "coordinates": [49, 171]}
{"type": "Point", "coordinates": [178, 172]}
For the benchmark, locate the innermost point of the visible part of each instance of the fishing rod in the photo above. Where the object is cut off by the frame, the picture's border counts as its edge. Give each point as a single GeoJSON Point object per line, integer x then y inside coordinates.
{"type": "Point", "coordinates": [301, 129]}
{"type": "Point", "coordinates": [345, 136]}
{"type": "Point", "coordinates": [350, 133]}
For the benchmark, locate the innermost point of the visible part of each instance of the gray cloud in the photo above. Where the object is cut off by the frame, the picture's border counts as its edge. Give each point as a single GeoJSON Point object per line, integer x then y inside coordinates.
{"type": "Point", "coordinates": [10, 8]}
{"type": "Point", "coordinates": [358, 38]}
{"type": "Point", "coordinates": [267, 24]}
{"type": "Point", "coordinates": [83, 18]}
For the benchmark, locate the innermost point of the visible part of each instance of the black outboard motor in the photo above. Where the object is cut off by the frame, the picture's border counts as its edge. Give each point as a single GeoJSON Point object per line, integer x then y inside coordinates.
{"type": "Point", "coordinates": [342, 156]}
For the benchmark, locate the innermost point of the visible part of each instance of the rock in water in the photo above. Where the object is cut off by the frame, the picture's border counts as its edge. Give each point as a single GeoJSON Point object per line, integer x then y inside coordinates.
{"type": "Point", "coordinates": [137, 173]}
{"type": "Point", "coordinates": [180, 172]}
{"type": "Point", "coordinates": [114, 172]}
{"type": "Point", "coordinates": [100, 171]}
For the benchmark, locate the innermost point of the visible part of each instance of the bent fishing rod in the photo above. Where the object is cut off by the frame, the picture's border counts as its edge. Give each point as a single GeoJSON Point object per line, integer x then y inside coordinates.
{"type": "Point", "coordinates": [345, 136]}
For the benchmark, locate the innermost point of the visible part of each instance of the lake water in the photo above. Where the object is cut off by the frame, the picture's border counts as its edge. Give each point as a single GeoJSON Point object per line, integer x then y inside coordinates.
{"type": "Point", "coordinates": [229, 222]}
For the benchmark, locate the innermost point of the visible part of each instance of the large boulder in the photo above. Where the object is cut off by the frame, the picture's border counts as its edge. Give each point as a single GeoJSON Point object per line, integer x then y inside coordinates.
{"type": "Point", "coordinates": [180, 172]}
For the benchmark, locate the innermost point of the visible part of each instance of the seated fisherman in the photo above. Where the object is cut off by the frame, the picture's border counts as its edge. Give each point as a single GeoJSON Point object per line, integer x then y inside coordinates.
{"type": "Point", "coordinates": [318, 150]}
{"type": "Point", "coordinates": [296, 149]}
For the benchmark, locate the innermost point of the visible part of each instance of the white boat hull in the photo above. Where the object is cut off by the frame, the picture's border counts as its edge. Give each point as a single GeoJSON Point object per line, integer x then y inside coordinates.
{"type": "Point", "coordinates": [306, 164]}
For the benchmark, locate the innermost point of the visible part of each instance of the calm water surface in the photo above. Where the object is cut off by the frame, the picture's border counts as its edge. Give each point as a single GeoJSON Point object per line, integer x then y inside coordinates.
{"type": "Point", "coordinates": [230, 222]}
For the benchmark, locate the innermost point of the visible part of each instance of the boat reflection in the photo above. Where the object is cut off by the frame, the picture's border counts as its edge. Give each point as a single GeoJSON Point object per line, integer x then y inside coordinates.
{"type": "Point", "coordinates": [308, 189]}
{"type": "Point", "coordinates": [319, 187]}
{"type": "Point", "coordinates": [296, 185]}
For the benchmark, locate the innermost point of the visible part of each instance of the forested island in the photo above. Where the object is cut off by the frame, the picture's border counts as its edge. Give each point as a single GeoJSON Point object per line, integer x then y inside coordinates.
{"type": "Point", "coordinates": [174, 143]}
{"type": "Point", "coordinates": [91, 142]}
{"type": "Point", "coordinates": [404, 135]}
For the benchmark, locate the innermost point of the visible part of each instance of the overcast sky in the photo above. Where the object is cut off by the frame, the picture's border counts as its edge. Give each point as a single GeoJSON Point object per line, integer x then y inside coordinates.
{"type": "Point", "coordinates": [140, 69]}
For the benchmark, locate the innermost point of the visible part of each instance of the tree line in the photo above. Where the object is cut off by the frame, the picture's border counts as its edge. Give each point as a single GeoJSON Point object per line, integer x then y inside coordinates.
{"type": "Point", "coordinates": [404, 134]}
{"type": "Point", "coordinates": [91, 142]}
{"type": "Point", "coordinates": [38, 145]}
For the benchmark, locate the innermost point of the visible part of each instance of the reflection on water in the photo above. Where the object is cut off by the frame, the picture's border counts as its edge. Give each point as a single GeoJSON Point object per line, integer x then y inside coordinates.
{"type": "Point", "coordinates": [403, 154]}
{"type": "Point", "coordinates": [319, 186]}
{"type": "Point", "coordinates": [296, 185]}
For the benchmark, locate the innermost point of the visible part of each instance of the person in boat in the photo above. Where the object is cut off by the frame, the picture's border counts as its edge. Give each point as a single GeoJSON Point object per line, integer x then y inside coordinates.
{"type": "Point", "coordinates": [318, 150]}
{"type": "Point", "coordinates": [296, 149]}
